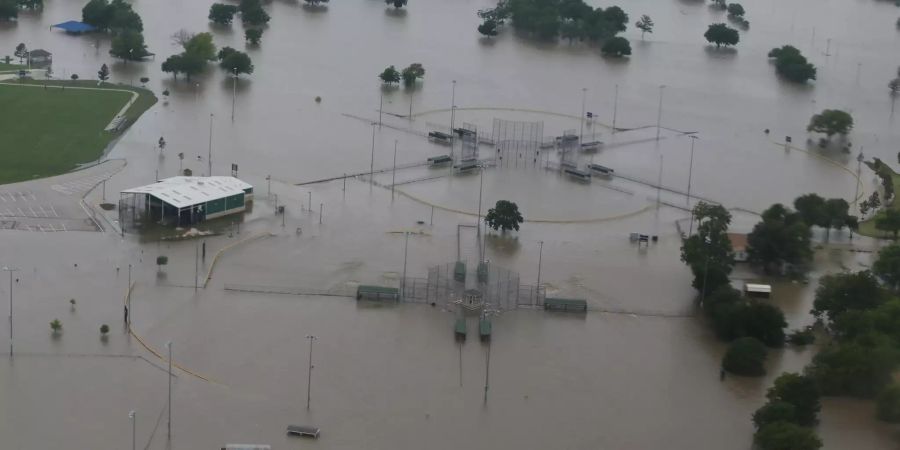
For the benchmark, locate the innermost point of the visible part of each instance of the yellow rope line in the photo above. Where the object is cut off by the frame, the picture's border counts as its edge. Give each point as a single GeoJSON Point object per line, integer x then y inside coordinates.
{"type": "Point", "coordinates": [830, 161]}
{"type": "Point", "coordinates": [227, 247]}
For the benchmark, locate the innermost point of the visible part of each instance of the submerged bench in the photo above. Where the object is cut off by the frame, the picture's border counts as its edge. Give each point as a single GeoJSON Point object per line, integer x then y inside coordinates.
{"type": "Point", "coordinates": [565, 304]}
{"type": "Point", "coordinates": [376, 292]}
{"type": "Point", "coordinates": [302, 430]}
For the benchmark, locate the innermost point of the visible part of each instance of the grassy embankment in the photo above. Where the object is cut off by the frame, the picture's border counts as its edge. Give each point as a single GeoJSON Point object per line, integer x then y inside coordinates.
{"type": "Point", "coordinates": [46, 131]}
{"type": "Point", "coordinates": [867, 228]}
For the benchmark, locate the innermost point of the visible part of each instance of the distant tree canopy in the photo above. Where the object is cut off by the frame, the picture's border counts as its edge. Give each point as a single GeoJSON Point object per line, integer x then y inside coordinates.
{"type": "Point", "coordinates": [791, 64]}
{"type": "Point", "coordinates": [782, 237]}
{"type": "Point", "coordinates": [831, 122]}
{"type": "Point", "coordinates": [222, 14]}
{"type": "Point", "coordinates": [234, 61]}
{"type": "Point", "coordinates": [786, 436]}
{"type": "Point", "coordinates": [315, 2]}
{"type": "Point", "coordinates": [8, 10]}
{"type": "Point", "coordinates": [745, 356]}
{"type": "Point", "coordinates": [412, 73]}
{"type": "Point", "coordinates": [547, 18]}
{"type": "Point", "coordinates": [116, 16]}
{"type": "Point", "coordinates": [396, 3]}
{"type": "Point", "coordinates": [721, 34]}
{"type": "Point", "coordinates": [488, 28]}
{"type": "Point", "coordinates": [129, 45]}
{"type": "Point", "coordinates": [198, 49]}
{"type": "Point", "coordinates": [616, 46]}
{"type": "Point", "coordinates": [800, 391]}
{"type": "Point", "coordinates": [735, 9]}
{"type": "Point", "coordinates": [708, 252]}
{"type": "Point", "coordinates": [390, 75]}
{"type": "Point", "coordinates": [252, 13]}
{"type": "Point", "coordinates": [253, 35]}
{"type": "Point", "coordinates": [504, 216]}
{"type": "Point", "coordinates": [645, 24]}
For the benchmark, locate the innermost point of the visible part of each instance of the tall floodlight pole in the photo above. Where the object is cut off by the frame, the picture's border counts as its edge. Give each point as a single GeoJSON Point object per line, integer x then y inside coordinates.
{"type": "Point", "coordinates": [581, 117]}
{"type": "Point", "coordinates": [196, 265]}
{"type": "Point", "coordinates": [859, 160]}
{"type": "Point", "coordinates": [690, 172]}
{"type": "Point", "coordinates": [405, 253]}
{"type": "Point", "coordinates": [169, 347]}
{"type": "Point", "coordinates": [128, 316]}
{"type": "Point", "coordinates": [209, 155]}
{"type": "Point", "coordinates": [487, 372]}
{"type": "Point", "coordinates": [394, 170]}
{"type": "Point", "coordinates": [480, 189]}
{"type": "Point", "coordinates": [659, 181]}
{"type": "Point", "coordinates": [659, 112]}
{"type": "Point", "coordinates": [380, 106]}
{"type": "Point", "coordinates": [452, 109]}
{"type": "Point", "coordinates": [10, 270]}
{"type": "Point", "coordinates": [372, 160]}
{"type": "Point", "coordinates": [233, 92]}
{"type": "Point", "coordinates": [540, 257]}
{"type": "Point", "coordinates": [615, 107]}
{"type": "Point", "coordinates": [309, 370]}
{"type": "Point", "coordinates": [133, 416]}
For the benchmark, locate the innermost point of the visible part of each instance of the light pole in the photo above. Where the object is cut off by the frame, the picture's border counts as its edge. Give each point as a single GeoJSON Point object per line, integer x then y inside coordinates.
{"type": "Point", "coordinates": [133, 416]}
{"type": "Point", "coordinates": [169, 346]}
{"type": "Point", "coordinates": [859, 160]}
{"type": "Point", "coordinates": [540, 257]}
{"type": "Point", "coordinates": [405, 253]}
{"type": "Point", "coordinates": [581, 117]}
{"type": "Point", "coordinates": [380, 106]}
{"type": "Point", "coordinates": [371, 160]}
{"type": "Point", "coordinates": [233, 92]}
{"type": "Point", "coordinates": [452, 110]}
{"type": "Point", "coordinates": [209, 156]}
{"type": "Point", "coordinates": [706, 241]}
{"type": "Point", "coordinates": [309, 371]}
{"type": "Point", "coordinates": [394, 170]}
{"type": "Point", "coordinates": [659, 112]}
{"type": "Point", "coordinates": [268, 186]}
{"type": "Point", "coordinates": [659, 181]}
{"type": "Point", "coordinates": [129, 312]}
{"type": "Point", "coordinates": [690, 172]}
{"type": "Point", "coordinates": [10, 270]}
{"type": "Point", "coordinates": [480, 189]}
{"type": "Point", "coordinates": [615, 107]}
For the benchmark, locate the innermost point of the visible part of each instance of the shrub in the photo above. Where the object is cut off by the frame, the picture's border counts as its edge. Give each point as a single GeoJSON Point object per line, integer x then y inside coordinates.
{"type": "Point", "coordinates": [746, 356]}
{"type": "Point", "coordinates": [786, 436]}
{"type": "Point", "coordinates": [774, 411]}
{"type": "Point", "coordinates": [56, 326]}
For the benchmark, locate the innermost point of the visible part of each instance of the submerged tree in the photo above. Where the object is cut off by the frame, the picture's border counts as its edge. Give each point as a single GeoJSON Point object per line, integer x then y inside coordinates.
{"type": "Point", "coordinates": [390, 75]}
{"type": "Point", "coordinates": [645, 24]}
{"type": "Point", "coordinates": [412, 73]}
{"type": "Point", "coordinates": [721, 34]}
{"type": "Point", "coordinates": [831, 122]}
{"type": "Point", "coordinates": [222, 14]}
{"type": "Point", "coordinates": [396, 3]}
{"type": "Point", "coordinates": [617, 46]}
{"type": "Point", "coordinates": [504, 216]}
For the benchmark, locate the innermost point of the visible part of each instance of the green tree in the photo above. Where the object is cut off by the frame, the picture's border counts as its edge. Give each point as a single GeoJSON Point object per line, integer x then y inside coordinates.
{"type": "Point", "coordinates": [123, 18]}
{"type": "Point", "coordinates": [708, 252]}
{"type": "Point", "coordinates": [56, 326]}
{"type": "Point", "coordinates": [811, 208]}
{"type": "Point", "coordinates": [720, 4]}
{"type": "Point", "coordinates": [103, 73]}
{"type": "Point", "coordinates": [888, 404]}
{"type": "Point", "coordinates": [161, 260]}
{"type": "Point", "coordinates": [786, 436]}
{"type": "Point", "coordinates": [745, 356]}
{"type": "Point", "coordinates": [859, 368]}
{"type": "Point", "coordinates": [97, 13]}
{"type": "Point", "coordinates": [504, 216]}
{"type": "Point", "coordinates": [887, 266]}
{"type": "Point", "coordinates": [396, 3]}
{"type": "Point", "coordinates": [841, 292]}
{"type": "Point", "coordinates": [412, 73]}
{"type": "Point", "coordinates": [173, 65]}
{"type": "Point", "coordinates": [191, 64]}
{"type": "Point", "coordinates": [772, 412]}
{"type": "Point", "coordinates": [129, 46]}
{"type": "Point", "coordinates": [252, 13]}
{"type": "Point", "coordinates": [645, 24]}
{"type": "Point", "coordinates": [888, 221]}
{"type": "Point", "coordinates": [735, 10]}
{"type": "Point", "coordinates": [837, 213]}
{"type": "Point", "coordinates": [782, 237]}
{"type": "Point", "coordinates": [390, 75]}
{"type": "Point", "coordinates": [831, 122]}
{"type": "Point", "coordinates": [222, 14]}
{"type": "Point", "coordinates": [253, 35]}
{"type": "Point", "coordinates": [315, 2]}
{"type": "Point", "coordinates": [235, 61]}
{"type": "Point", "coordinates": [201, 46]}
{"type": "Point", "coordinates": [894, 86]}
{"type": "Point", "coordinates": [800, 391]}
{"type": "Point", "coordinates": [488, 28]}
{"type": "Point", "coordinates": [104, 330]}
{"type": "Point", "coordinates": [758, 320]}
{"type": "Point", "coordinates": [721, 34]}
{"type": "Point", "coordinates": [8, 10]}
{"type": "Point", "coordinates": [21, 52]}
{"type": "Point", "coordinates": [791, 64]}
{"type": "Point", "coordinates": [723, 295]}
{"type": "Point", "coordinates": [616, 46]}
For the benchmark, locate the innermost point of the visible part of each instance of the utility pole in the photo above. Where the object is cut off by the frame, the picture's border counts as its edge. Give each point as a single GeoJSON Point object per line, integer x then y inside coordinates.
{"type": "Point", "coordinates": [452, 113]}
{"type": "Point", "coordinates": [480, 189]}
{"type": "Point", "coordinates": [133, 416]}
{"type": "Point", "coordinates": [405, 253]}
{"type": "Point", "coordinates": [233, 92]}
{"type": "Point", "coordinates": [394, 170]}
{"type": "Point", "coordinates": [371, 161]}
{"type": "Point", "coordinates": [128, 316]}
{"type": "Point", "coordinates": [659, 112]}
{"type": "Point", "coordinates": [581, 117]}
{"type": "Point", "coordinates": [690, 172]}
{"type": "Point", "coordinates": [268, 186]}
{"type": "Point", "coordinates": [615, 107]}
{"type": "Point", "coordinates": [659, 181]}
{"type": "Point", "coordinates": [380, 107]}
{"type": "Point", "coordinates": [859, 160]}
{"type": "Point", "coordinates": [487, 372]}
{"type": "Point", "coordinates": [10, 270]}
{"type": "Point", "coordinates": [540, 257]}
{"type": "Point", "coordinates": [321, 206]}
{"type": "Point", "coordinates": [209, 156]}
{"type": "Point", "coordinates": [169, 346]}
{"type": "Point", "coordinates": [196, 265]}
{"type": "Point", "coordinates": [309, 196]}
{"type": "Point", "coordinates": [309, 371]}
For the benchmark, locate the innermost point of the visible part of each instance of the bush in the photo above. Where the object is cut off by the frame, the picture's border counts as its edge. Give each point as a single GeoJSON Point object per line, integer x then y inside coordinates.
{"type": "Point", "coordinates": [759, 320]}
{"type": "Point", "coordinates": [56, 326]}
{"type": "Point", "coordinates": [802, 337]}
{"type": "Point", "coordinates": [786, 436]}
{"type": "Point", "coordinates": [860, 368]}
{"type": "Point", "coordinates": [772, 412]}
{"type": "Point", "coordinates": [104, 329]}
{"type": "Point", "coordinates": [617, 46]}
{"type": "Point", "coordinates": [746, 356]}
{"type": "Point", "coordinates": [162, 260]}
{"type": "Point", "coordinates": [889, 404]}
{"type": "Point", "coordinates": [800, 391]}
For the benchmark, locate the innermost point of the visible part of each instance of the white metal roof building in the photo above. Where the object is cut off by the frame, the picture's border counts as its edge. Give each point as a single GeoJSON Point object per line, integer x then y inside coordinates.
{"type": "Point", "coordinates": [185, 200]}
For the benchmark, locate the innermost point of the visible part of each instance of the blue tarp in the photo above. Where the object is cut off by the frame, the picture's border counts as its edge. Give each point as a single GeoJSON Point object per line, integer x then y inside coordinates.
{"type": "Point", "coordinates": [73, 26]}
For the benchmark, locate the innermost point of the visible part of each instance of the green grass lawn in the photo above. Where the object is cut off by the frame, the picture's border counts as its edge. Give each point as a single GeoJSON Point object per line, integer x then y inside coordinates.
{"type": "Point", "coordinates": [10, 67]}
{"type": "Point", "coordinates": [49, 131]}
{"type": "Point", "coordinates": [867, 228]}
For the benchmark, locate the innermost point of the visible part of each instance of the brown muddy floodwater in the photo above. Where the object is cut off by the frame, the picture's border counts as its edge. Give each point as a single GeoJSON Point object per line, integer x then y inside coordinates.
{"type": "Point", "coordinates": [640, 371]}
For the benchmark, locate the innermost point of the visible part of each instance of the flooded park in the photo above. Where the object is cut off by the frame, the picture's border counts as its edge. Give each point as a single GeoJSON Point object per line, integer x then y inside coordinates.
{"type": "Point", "coordinates": [261, 300]}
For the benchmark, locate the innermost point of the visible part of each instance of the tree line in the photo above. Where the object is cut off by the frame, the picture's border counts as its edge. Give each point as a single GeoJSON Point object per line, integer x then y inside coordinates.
{"type": "Point", "coordinates": [9, 9]}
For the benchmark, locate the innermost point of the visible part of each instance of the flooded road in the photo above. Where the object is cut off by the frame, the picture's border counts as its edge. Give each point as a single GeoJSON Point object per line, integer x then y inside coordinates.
{"type": "Point", "coordinates": [392, 377]}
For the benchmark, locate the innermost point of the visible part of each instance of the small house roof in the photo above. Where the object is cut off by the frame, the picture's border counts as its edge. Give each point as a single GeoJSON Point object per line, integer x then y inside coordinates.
{"type": "Point", "coordinates": [74, 26]}
{"type": "Point", "coordinates": [182, 192]}
{"type": "Point", "coordinates": [39, 52]}
{"type": "Point", "coordinates": [738, 241]}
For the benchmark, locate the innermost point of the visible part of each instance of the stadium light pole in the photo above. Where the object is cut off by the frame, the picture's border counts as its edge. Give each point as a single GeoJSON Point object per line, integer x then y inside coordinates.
{"type": "Point", "coordinates": [133, 416]}
{"type": "Point", "coordinates": [581, 117]}
{"type": "Point", "coordinates": [310, 368]}
{"type": "Point", "coordinates": [10, 270]}
{"type": "Point", "coordinates": [169, 432]}
{"type": "Point", "coordinates": [209, 155]}
{"type": "Point", "coordinates": [659, 112]}
{"type": "Point", "coordinates": [690, 172]}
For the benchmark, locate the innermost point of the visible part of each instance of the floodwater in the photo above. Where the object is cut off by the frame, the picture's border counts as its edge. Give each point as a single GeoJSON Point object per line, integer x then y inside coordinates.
{"type": "Point", "coordinates": [643, 377]}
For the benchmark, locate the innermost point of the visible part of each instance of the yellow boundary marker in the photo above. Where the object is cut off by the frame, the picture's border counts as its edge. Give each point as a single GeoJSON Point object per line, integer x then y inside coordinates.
{"type": "Point", "coordinates": [228, 247]}
{"type": "Point", "coordinates": [830, 161]}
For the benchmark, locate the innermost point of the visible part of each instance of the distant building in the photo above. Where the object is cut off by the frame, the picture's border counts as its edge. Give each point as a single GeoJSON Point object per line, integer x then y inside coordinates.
{"type": "Point", "coordinates": [184, 201]}
{"type": "Point", "coordinates": [739, 246]}
{"type": "Point", "coordinates": [39, 56]}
